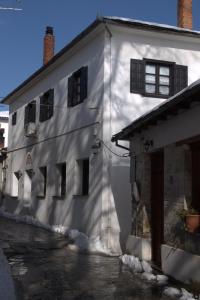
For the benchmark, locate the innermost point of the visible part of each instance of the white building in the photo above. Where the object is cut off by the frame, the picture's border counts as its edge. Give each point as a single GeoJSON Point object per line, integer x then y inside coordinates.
{"type": "Point", "coordinates": [60, 165]}
{"type": "Point", "coordinates": [166, 167]}
{"type": "Point", "coordinates": [4, 115]}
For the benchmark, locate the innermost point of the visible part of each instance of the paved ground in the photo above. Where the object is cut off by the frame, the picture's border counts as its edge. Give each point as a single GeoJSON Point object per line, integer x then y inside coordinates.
{"type": "Point", "coordinates": [44, 268]}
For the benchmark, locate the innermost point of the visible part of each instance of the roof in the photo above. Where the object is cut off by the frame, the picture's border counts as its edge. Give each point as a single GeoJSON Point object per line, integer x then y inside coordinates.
{"type": "Point", "coordinates": [102, 20]}
{"type": "Point", "coordinates": [181, 100]}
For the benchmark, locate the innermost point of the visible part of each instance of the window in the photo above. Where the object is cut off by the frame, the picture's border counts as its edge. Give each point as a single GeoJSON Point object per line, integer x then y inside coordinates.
{"type": "Point", "coordinates": [2, 139]}
{"type": "Point", "coordinates": [61, 180]}
{"type": "Point", "coordinates": [15, 183]}
{"type": "Point", "coordinates": [46, 105]}
{"type": "Point", "coordinates": [157, 78]}
{"type": "Point", "coordinates": [14, 118]}
{"type": "Point", "coordinates": [77, 87]}
{"type": "Point", "coordinates": [82, 177]}
{"type": "Point", "coordinates": [42, 182]}
{"type": "Point", "coordinates": [30, 113]}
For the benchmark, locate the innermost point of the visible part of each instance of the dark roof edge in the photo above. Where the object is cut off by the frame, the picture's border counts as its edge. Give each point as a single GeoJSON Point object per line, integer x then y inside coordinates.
{"type": "Point", "coordinates": [172, 103]}
{"type": "Point", "coordinates": [152, 26]}
{"type": "Point", "coordinates": [78, 38]}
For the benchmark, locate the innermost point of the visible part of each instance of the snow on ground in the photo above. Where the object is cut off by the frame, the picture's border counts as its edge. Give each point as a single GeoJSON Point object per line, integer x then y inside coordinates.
{"type": "Point", "coordinates": [7, 291]}
{"type": "Point", "coordinates": [81, 241]}
{"type": "Point", "coordinates": [143, 267]}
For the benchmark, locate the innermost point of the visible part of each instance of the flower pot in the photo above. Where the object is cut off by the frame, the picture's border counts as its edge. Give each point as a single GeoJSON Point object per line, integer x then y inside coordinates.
{"type": "Point", "coordinates": [192, 223]}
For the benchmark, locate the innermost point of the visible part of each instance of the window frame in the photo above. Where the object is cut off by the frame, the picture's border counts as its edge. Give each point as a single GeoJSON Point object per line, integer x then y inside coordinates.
{"type": "Point", "coordinates": [77, 87]}
{"type": "Point", "coordinates": [46, 109]}
{"type": "Point", "coordinates": [30, 113]}
{"type": "Point", "coordinates": [14, 118]}
{"type": "Point", "coordinates": [157, 64]}
{"type": "Point", "coordinates": [82, 177]}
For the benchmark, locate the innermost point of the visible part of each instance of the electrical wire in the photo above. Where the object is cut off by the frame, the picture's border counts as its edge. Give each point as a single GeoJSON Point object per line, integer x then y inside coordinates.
{"type": "Point", "coordinates": [116, 154]}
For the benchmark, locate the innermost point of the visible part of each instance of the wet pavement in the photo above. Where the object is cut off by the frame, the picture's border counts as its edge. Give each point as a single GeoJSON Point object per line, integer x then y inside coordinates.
{"type": "Point", "coordinates": [45, 268]}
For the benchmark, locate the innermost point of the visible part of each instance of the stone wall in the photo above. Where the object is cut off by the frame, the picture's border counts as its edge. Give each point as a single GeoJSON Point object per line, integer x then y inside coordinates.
{"type": "Point", "coordinates": [177, 196]}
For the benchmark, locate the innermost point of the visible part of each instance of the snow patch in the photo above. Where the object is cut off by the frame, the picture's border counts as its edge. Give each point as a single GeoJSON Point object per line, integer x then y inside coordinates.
{"type": "Point", "coordinates": [84, 243]}
{"type": "Point", "coordinates": [148, 276]}
{"type": "Point", "coordinates": [180, 294]}
{"type": "Point", "coordinates": [79, 239]}
{"type": "Point", "coordinates": [186, 295]}
{"type": "Point", "coordinates": [146, 267]}
{"type": "Point", "coordinates": [172, 292]}
{"type": "Point", "coordinates": [162, 279]}
{"type": "Point", "coordinates": [132, 262]}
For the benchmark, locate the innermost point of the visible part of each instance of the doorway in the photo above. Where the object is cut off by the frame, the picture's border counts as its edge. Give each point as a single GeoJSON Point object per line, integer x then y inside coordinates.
{"type": "Point", "coordinates": [195, 176]}
{"type": "Point", "coordinates": [157, 205]}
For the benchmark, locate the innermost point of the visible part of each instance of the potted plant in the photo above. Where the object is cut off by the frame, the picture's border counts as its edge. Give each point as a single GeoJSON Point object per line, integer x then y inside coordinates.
{"type": "Point", "coordinates": [191, 218]}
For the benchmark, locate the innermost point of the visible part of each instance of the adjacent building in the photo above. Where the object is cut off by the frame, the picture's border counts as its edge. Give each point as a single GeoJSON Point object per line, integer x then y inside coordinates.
{"type": "Point", "coordinates": [165, 172]}
{"type": "Point", "coordinates": [62, 167]}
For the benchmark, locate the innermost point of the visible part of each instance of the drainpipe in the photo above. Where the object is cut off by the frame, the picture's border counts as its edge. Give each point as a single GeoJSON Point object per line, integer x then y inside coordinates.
{"type": "Point", "coordinates": [134, 192]}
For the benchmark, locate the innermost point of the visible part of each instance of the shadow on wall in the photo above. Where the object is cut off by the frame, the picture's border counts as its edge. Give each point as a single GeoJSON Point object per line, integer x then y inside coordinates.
{"type": "Point", "coordinates": [122, 195]}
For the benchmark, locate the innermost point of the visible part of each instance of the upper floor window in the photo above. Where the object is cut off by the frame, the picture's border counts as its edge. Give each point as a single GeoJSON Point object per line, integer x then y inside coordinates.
{"type": "Point", "coordinates": [30, 113]}
{"type": "Point", "coordinates": [46, 105]}
{"type": "Point", "coordinates": [77, 87]}
{"type": "Point", "coordinates": [157, 78]}
{"type": "Point", "coordinates": [14, 118]}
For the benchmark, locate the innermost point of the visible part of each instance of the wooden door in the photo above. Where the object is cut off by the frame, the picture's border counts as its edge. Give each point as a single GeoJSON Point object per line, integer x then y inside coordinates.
{"type": "Point", "coordinates": [196, 176]}
{"type": "Point", "coordinates": [157, 203]}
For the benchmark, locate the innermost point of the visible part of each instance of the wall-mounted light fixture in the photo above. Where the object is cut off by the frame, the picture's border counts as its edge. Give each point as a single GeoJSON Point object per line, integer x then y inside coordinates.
{"type": "Point", "coordinates": [147, 144]}
{"type": "Point", "coordinates": [96, 146]}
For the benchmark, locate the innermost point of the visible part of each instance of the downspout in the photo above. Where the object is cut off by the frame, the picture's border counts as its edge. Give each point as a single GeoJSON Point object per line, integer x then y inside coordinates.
{"type": "Point", "coordinates": [134, 192]}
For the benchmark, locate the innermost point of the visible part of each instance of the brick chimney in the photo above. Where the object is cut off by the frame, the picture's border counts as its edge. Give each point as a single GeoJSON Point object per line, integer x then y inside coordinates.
{"type": "Point", "coordinates": [185, 14]}
{"type": "Point", "coordinates": [49, 41]}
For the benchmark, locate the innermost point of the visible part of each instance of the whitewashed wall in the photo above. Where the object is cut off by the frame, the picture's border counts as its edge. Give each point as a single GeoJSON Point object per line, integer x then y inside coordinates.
{"type": "Point", "coordinates": [77, 128]}
{"type": "Point", "coordinates": [107, 210]}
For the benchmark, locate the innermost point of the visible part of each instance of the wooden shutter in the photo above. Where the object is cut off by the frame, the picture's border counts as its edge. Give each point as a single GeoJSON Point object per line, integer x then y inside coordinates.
{"type": "Point", "coordinates": [84, 83]}
{"type": "Point", "coordinates": [50, 103]}
{"type": "Point", "coordinates": [180, 78]}
{"type": "Point", "coordinates": [137, 76]}
{"type": "Point", "coordinates": [26, 111]}
{"type": "Point", "coordinates": [14, 118]}
{"type": "Point", "coordinates": [32, 111]}
{"type": "Point", "coordinates": [42, 108]}
{"type": "Point", "coordinates": [70, 91]}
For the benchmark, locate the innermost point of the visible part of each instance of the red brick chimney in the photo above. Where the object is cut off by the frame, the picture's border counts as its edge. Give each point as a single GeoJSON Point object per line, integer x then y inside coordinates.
{"type": "Point", "coordinates": [49, 41]}
{"type": "Point", "coordinates": [185, 14]}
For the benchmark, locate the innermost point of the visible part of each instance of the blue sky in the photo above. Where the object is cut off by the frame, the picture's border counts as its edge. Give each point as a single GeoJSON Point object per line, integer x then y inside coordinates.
{"type": "Point", "coordinates": [21, 32]}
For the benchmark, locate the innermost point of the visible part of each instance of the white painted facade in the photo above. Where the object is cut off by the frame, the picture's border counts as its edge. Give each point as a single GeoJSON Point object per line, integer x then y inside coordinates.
{"type": "Point", "coordinates": [4, 115]}
{"type": "Point", "coordinates": [70, 134]}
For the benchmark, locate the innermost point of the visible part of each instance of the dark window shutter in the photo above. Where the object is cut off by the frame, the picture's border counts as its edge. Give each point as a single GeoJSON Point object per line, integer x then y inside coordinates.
{"type": "Point", "coordinates": [33, 118]}
{"type": "Point", "coordinates": [42, 108]}
{"type": "Point", "coordinates": [85, 177]}
{"type": "Point", "coordinates": [84, 83]}
{"type": "Point", "coordinates": [14, 118]}
{"type": "Point", "coordinates": [32, 111]}
{"type": "Point", "coordinates": [26, 111]}
{"type": "Point", "coordinates": [50, 102]}
{"type": "Point", "coordinates": [137, 76]}
{"type": "Point", "coordinates": [180, 78]}
{"type": "Point", "coordinates": [70, 91]}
